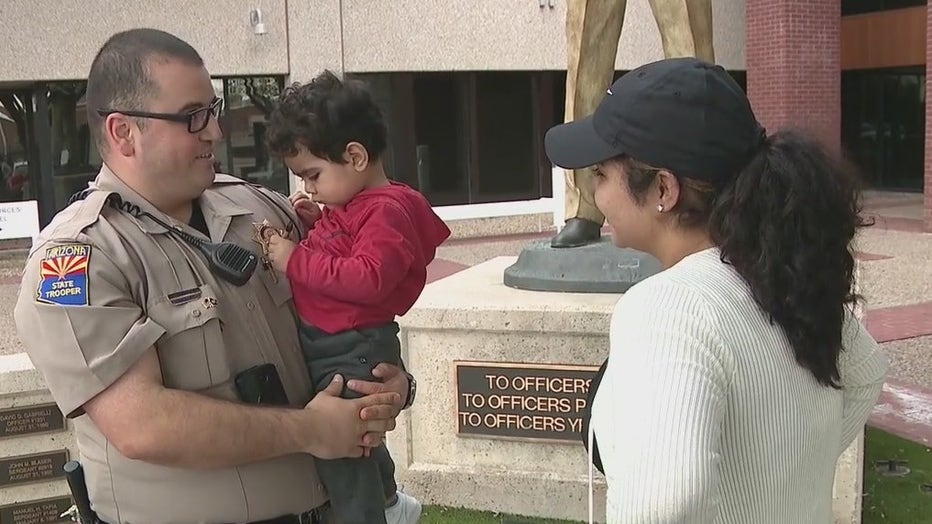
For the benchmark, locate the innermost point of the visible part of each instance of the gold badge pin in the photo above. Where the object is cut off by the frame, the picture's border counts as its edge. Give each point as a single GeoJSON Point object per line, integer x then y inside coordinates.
{"type": "Point", "coordinates": [264, 232]}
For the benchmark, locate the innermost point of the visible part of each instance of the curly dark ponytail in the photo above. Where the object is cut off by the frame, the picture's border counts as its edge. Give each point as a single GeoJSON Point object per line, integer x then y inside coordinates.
{"type": "Point", "coordinates": [786, 224]}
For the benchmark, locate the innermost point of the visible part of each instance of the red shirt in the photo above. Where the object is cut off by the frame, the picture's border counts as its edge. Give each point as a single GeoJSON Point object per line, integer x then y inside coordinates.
{"type": "Point", "coordinates": [365, 264]}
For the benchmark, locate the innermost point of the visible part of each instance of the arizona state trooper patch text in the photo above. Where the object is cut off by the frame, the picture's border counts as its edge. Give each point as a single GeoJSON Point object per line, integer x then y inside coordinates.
{"type": "Point", "coordinates": [64, 275]}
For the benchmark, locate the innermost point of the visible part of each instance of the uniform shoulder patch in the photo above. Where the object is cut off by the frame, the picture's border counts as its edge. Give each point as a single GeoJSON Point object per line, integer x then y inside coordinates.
{"type": "Point", "coordinates": [63, 275]}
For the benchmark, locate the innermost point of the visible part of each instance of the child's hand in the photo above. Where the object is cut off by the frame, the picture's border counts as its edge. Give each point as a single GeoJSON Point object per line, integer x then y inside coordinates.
{"type": "Point", "coordinates": [306, 209]}
{"type": "Point", "coordinates": [279, 251]}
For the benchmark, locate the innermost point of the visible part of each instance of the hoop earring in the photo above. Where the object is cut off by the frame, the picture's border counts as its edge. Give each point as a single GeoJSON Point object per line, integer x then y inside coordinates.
{"type": "Point", "coordinates": [660, 208]}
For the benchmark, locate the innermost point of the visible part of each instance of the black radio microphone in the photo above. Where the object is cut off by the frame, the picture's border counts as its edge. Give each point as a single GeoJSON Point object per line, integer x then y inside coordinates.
{"type": "Point", "coordinates": [227, 260]}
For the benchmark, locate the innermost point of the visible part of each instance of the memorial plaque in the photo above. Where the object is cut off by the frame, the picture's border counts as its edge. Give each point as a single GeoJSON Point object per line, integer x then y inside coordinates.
{"type": "Point", "coordinates": [31, 420]}
{"type": "Point", "coordinates": [522, 401]}
{"type": "Point", "coordinates": [37, 467]}
{"type": "Point", "coordinates": [44, 511]}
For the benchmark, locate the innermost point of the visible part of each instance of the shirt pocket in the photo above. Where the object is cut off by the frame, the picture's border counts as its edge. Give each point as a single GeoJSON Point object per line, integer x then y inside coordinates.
{"type": "Point", "coordinates": [191, 352]}
{"type": "Point", "coordinates": [278, 287]}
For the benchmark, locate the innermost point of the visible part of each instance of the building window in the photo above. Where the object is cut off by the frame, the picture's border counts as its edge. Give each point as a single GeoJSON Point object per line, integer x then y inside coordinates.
{"type": "Point", "coordinates": [468, 137]}
{"type": "Point", "coordinates": [243, 153]}
{"type": "Point", "coordinates": [883, 125]}
{"type": "Point", "coordinates": [73, 159]}
{"type": "Point", "coordinates": [62, 147]}
{"type": "Point", "coordinates": [473, 137]}
{"type": "Point", "coordinates": [16, 145]}
{"type": "Point", "coordinates": [504, 116]}
{"type": "Point", "coordinates": [857, 7]}
{"type": "Point", "coordinates": [441, 137]}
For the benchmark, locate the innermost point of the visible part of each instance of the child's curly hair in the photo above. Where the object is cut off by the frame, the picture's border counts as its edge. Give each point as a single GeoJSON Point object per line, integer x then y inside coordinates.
{"type": "Point", "coordinates": [325, 115]}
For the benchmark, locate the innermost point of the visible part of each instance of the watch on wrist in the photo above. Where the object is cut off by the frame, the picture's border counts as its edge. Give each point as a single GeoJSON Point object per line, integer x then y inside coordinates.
{"type": "Point", "coordinates": [412, 391]}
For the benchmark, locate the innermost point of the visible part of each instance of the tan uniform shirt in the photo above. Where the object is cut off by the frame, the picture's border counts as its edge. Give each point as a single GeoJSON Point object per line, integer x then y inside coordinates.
{"type": "Point", "coordinates": [97, 291]}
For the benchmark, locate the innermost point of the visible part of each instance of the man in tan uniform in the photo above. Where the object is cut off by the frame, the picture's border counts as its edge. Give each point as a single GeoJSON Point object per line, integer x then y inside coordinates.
{"type": "Point", "coordinates": [593, 28]}
{"type": "Point", "coordinates": [143, 347]}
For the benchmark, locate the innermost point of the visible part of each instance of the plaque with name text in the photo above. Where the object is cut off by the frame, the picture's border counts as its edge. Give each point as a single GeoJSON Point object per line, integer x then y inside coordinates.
{"type": "Point", "coordinates": [43, 511]}
{"type": "Point", "coordinates": [31, 420]}
{"type": "Point", "coordinates": [37, 467]}
{"type": "Point", "coordinates": [521, 401]}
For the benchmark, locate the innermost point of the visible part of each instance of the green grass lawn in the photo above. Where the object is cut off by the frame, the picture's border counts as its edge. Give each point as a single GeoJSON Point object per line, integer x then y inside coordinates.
{"type": "Point", "coordinates": [896, 500]}
{"type": "Point", "coordinates": [887, 500]}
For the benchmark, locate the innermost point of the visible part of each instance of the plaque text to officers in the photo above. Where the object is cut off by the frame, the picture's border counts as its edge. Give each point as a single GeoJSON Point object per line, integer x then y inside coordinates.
{"type": "Point", "coordinates": [524, 401]}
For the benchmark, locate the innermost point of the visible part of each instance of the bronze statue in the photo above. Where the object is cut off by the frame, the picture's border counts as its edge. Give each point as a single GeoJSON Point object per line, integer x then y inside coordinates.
{"type": "Point", "coordinates": [593, 28]}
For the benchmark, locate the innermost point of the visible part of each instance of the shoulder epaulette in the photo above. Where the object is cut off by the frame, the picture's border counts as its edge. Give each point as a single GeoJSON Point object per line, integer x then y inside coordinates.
{"type": "Point", "coordinates": [222, 178]}
{"type": "Point", "coordinates": [88, 205]}
{"type": "Point", "coordinates": [228, 186]}
{"type": "Point", "coordinates": [83, 210]}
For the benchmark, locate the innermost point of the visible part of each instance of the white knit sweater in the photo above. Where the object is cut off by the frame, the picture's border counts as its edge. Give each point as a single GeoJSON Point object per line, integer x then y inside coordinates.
{"type": "Point", "coordinates": [704, 416]}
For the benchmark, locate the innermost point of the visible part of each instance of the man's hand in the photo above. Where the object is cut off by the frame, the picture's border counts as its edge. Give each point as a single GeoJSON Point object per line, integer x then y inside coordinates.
{"type": "Point", "coordinates": [337, 424]}
{"type": "Point", "coordinates": [279, 251]}
{"type": "Point", "coordinates": [393, 381]}
{"type": "Point", "coordinates": [306, 209]}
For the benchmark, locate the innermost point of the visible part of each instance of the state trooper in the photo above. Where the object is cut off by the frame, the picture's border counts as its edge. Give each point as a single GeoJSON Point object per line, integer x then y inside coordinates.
{"type": "Point", "coordinates": [172, 350]}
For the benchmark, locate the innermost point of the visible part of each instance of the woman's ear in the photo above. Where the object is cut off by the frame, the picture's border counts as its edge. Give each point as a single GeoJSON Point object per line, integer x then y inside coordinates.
{"type": "Point", "coordinates": [357, 156]}
{"type": "Point", "coordinates": [668, 191]}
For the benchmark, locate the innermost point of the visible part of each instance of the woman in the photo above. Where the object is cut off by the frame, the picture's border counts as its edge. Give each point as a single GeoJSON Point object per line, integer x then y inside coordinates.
{"type": "Point", "coordinates": [738, 374]}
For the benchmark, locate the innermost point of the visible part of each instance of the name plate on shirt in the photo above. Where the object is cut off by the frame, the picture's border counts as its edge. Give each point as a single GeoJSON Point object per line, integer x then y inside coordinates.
{"type": "Point", "coordinates": [521, 401]}
{"type": "Point", "coordinates": [30, 420]}
{"type": "Point", "coordinates": [43, 511]}
{"type": "Point", "coordinates": [37, 467]}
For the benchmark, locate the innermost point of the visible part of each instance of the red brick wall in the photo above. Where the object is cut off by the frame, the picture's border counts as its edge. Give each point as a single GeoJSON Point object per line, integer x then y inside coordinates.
{"type": "Point", "coordinates": [793, 58]}
{"type": "Point", "coordinates": [927, 209]}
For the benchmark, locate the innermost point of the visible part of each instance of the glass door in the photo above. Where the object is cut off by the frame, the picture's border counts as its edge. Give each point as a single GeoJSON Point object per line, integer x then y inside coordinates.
{"type": "Point", "coordinates": [904, 132]}
{"type": "Point", "coordinates": [883, 125]}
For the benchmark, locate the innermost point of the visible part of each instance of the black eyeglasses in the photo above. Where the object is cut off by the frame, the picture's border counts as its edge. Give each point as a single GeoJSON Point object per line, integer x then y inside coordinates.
{"type": "Point", "coordinates": [197, 119]}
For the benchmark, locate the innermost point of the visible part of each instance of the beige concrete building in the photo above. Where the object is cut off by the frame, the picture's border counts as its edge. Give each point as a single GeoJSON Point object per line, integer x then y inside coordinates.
{"type": "Point", "coordinates": [469, 88]}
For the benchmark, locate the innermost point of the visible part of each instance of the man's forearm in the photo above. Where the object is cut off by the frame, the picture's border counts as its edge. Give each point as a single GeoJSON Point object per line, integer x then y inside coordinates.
{"type": "Point", "coordinates": [189, 430]}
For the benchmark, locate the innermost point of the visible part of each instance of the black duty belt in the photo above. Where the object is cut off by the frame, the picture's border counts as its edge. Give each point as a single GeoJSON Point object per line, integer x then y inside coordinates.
{"type": "Point", "coordinates": [314, 516]}
{"type": "Point", "coordinates": [310, 517]}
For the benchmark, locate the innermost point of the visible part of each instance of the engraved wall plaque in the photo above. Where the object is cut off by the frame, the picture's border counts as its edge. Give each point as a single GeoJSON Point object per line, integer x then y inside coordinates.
{"type": "Point", "coordinates": [43, 511]}
{"type": "Point", "coordinates": [31, 420]}
{"type": "Point", "coordinates": [521, 401]}
{"type": "Point", "coordinates": [37, 467]}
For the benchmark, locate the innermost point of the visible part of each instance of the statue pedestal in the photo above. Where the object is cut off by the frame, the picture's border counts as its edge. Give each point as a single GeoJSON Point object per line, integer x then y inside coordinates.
{"type": "Point", "coordinates": [599, 267]}
{"type": "Point", "coordinates": [503, 375]}
{"type": "Point", "coordinates": [472, 439]}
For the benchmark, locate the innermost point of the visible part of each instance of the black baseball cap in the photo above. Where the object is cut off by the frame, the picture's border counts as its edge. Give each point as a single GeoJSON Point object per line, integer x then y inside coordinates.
{"type": "Point", "coordinates": [680, 114]}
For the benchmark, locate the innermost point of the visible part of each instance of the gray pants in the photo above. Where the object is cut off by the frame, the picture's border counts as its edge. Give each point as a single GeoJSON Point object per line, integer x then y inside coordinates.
{"type": "Point", "coordinates": [358, 487]}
